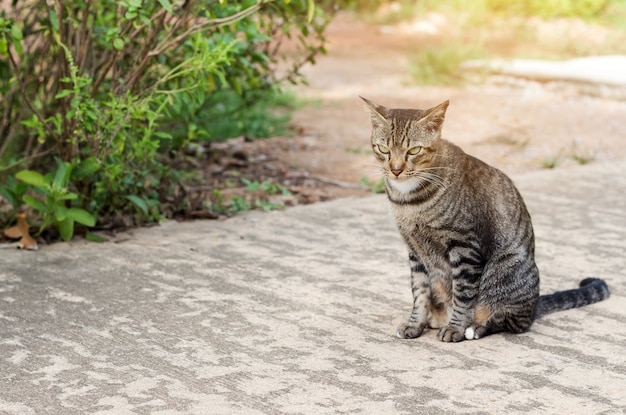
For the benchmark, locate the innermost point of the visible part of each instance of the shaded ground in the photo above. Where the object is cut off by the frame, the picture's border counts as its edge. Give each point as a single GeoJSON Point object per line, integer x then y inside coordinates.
{"type": "Point", "coordinates": [515, 124]}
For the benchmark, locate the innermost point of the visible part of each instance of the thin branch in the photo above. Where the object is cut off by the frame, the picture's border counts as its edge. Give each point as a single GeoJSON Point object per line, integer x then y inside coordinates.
{"type": "Point", "coordinates": [83, 50]}
{"type": "Point", "coordinates": [208, 24]}
{"type": "Point", "coordinates": [28, 158]}
{"type": "Point", "coordinates": [25, 96]}
{"type": "Point", "coordinates": [183, 19]}
{"type": "Point", "coordinates": [111, 61]}
{"type": "Point", "coordinates": [159, 15]}
{"type": "Point", "coordinates": [134, 77]}
{"type": "Point", "coordinates": [6, 124]}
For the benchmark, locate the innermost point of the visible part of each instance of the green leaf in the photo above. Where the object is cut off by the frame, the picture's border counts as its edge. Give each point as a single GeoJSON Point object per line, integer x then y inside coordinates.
{"type": "Point", "coordinates": [7, 195]}
{"type": "Point", "coordinates": [16, 33]}
{"type": "Point", "coordinates": [163, 134]}
{"type": "Point", "coordinates": [139, 202]}
{"type": "Point", "coordinates": [35, 203]}
{"type": "Point", "coordinates": [88, 166]}
{"type": "Point", "coordinates": [32, 177]}
{"type": "Point", "coordinates": [66, 229]}
{"type": "Point", "coordinates": [63, 93]}
{"type": "Point", "coordinates": [311, 10]}
{"type": "Point", "coordinates": [60, 212]}
{"type": "Point", "coordinates": [94, 238]}
{"type": "Point", "coordinates": [167, 6]}
{"type": "Point", "coordinates": [81, 216]}
{"type": "Point", "coordinates": [62, 175]}
{"type": "Point", "coordinates": [17, 44]}
{"type": "Point", "coordinates": [4, 51]}
{"type": "Point", "coordinates": [118, 44]}
{"type": "Point", "coordinates": [69, 196]}
{"type": "Point", "coordinates": [54, 19]}
{"type": "Point", "coordinates": [145, 20]}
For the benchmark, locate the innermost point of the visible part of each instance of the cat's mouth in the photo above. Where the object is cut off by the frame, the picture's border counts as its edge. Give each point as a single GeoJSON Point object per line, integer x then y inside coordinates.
{"type": "Point", "coordinates": [399, 178]}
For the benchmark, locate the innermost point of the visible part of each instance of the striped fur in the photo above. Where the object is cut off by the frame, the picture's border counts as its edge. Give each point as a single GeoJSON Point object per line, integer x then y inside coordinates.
{"type": "Point", "coordinates": [469, 235]}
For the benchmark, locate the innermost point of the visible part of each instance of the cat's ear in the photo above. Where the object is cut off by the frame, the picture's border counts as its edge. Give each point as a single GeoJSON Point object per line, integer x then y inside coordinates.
{"type": "Point", "coordinates": [432, 119]}
{"type": "Point", "coordinates": [378, 113]}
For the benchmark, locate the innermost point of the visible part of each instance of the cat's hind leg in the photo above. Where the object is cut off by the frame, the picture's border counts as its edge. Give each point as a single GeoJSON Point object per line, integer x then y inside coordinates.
{"type": "Point", "coordinates": [487, 322]}
{"type": "Point", "coordinates": [477, 332]}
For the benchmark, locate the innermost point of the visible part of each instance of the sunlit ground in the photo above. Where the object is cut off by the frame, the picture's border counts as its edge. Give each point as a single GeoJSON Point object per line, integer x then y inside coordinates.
{"type": "Point", "coordinates": [449, 32]}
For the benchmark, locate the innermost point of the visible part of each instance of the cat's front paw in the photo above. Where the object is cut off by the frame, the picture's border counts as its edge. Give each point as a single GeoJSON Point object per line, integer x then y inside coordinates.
{"type": "Point", "coordinates": [451, 334]}
{"type": "Point", "coordinates": [410, 330]}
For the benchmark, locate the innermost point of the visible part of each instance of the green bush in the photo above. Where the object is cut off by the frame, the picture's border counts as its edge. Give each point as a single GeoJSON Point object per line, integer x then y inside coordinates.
{"type": "Point", "coordinates": [113, 91]}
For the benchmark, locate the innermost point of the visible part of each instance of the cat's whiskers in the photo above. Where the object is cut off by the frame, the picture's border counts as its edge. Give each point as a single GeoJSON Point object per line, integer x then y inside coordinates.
{"type": "Point", "coordinates": [438, 168]}
{"type": "Point", "coordinates": [376, 169]}
{"type": "Point", "coordinates": [431, 178]}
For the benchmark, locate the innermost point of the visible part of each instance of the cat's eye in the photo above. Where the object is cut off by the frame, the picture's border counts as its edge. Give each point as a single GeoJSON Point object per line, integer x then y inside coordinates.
{"type": "Point", "coordinates": [383, 149]}
{"type": "Point", "coordinates": [415, 150]}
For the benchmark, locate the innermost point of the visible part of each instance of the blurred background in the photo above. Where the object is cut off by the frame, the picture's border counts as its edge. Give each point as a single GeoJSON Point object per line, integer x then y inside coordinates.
{"type": "Point", "coordinates": [521, 96]}
{"type": "Point", "coordinates": [114, 115]}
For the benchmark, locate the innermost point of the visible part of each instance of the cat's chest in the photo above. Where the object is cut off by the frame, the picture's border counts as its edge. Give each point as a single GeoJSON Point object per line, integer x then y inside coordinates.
{"type": "Point", "coordinates": [417, 218]}
{"type": "Point", "coordinates": [425, 233]}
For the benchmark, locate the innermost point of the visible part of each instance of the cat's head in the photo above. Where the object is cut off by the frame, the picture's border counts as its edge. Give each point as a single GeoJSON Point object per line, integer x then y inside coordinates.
{"type": "Point", "coordinates": [405, 142]}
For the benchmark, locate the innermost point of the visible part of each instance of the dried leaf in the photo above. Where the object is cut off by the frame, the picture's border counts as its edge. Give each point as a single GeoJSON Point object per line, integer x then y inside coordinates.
{"type": "Point", "coordinates": [21, 231]}
{"type": "Point", "coordinates": [13, 232]}
{"type": "Point", "coordinates": [27, 241]}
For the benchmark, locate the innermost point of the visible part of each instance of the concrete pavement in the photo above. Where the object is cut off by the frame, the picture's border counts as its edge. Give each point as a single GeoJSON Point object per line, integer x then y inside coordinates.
{"type": "Point", "coordinates": [607, 70]}
{"type": "Point", "coordinates": [293, 312]}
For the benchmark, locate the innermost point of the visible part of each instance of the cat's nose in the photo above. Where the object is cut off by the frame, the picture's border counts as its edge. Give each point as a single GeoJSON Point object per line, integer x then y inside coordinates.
{"type": "Point", "coordinates": [396, 171]}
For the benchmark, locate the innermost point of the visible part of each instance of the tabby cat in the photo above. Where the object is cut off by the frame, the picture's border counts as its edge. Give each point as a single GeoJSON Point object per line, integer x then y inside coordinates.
{"type": "Point", "coordinates": [469, 235]}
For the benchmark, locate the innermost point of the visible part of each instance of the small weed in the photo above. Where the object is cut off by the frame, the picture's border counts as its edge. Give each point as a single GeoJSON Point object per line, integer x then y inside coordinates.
{"type": "Point", "coordinates": [267, 205]}
{"type": "Point", "coordinates": [358, 150]}
{"type": "Point", "coordinates": [441, 64]}
{"type": "Point", "coordinates": [53, 200]}
{"type": "Point", "coordinates": [552, 162]}
{"type": "Point", "coordinates": [583, 159]}
{"type": "Point", "coordinates": [239, 204]}
{"type": "Point", "coordinates": [265, 186]}
{"type": "Point", "coordinates": [256, 197]}
{"type": "Point", "coordinates": [515, 140]}
{"type": "Point", "coordinates": [216, 203]}
{"type": "Point", "coordinates": [373, 186]}
{"type": "Point", "coordinates": [582, 155]}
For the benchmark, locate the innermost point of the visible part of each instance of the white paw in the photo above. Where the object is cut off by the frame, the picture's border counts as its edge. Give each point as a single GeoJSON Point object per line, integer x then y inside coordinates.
{"type": "Point", "coordinates": [469, 333]}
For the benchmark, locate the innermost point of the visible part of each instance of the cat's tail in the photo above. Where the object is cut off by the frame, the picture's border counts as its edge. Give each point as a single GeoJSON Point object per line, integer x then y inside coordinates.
{"type": "Point", "coordinates": [591, 291]}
